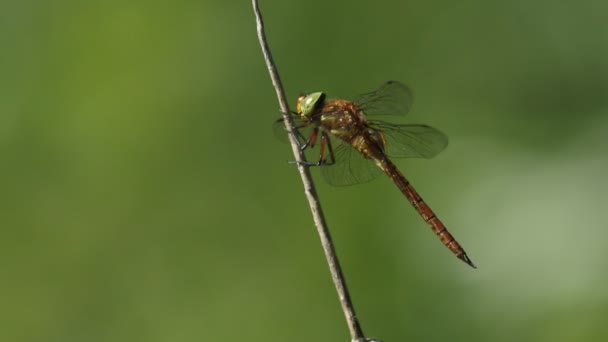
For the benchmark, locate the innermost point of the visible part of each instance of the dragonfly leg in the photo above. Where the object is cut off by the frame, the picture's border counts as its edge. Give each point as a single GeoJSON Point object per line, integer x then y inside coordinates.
{"type": "Point", "coordinates": [322, 149]}
{"type": "Point", "coordinates": [292, 112]}
{"type": "Point", "coordinates": [303, 143]}
{"type": "Point", "coordinates": [310, 142]}
{"type": "Point", "coordinates": [325, 139]}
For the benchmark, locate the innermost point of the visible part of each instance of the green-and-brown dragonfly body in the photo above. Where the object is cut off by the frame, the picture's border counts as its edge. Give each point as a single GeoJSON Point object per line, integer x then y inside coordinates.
{"type": "Point", "coordinates": [364, 146]}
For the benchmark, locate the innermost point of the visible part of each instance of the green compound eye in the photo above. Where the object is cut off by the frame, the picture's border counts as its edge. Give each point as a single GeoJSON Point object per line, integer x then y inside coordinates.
{"type": "Point", "coordinates": [307, 103]}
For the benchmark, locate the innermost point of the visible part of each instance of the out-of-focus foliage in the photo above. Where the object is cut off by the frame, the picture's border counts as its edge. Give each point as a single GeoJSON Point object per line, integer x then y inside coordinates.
{"type": "Point", "coordinates": [143, 196]}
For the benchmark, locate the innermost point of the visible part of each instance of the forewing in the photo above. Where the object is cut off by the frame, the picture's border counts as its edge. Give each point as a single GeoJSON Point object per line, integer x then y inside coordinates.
{"type": "Point", "coordinates": [392, 98]}
{"type": "Point", "coordinates": [350, 167]}
{"type": "Point", "coordinates": [411, 141]}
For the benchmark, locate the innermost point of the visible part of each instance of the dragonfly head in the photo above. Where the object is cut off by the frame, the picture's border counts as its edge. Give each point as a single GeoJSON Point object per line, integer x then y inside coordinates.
{"type": "Point", "coordinates": [307, 104]}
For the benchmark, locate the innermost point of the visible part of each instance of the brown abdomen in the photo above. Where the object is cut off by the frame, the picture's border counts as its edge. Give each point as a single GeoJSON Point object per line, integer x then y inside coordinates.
{"type": "Point", "coordinates": [425, 211]}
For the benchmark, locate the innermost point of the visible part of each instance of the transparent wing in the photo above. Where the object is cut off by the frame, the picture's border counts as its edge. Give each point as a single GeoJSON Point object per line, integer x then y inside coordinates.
{"type": "Point", "coordinates": [411, 141]}
{"type": "Point", "coordinates": [351, 167]}
{"type": "Point", "coordinates": [392, 98]}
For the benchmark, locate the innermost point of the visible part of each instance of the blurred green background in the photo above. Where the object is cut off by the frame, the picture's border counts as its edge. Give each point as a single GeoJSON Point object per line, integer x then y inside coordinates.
{"type": "Point", "coordinates": [144, 197]}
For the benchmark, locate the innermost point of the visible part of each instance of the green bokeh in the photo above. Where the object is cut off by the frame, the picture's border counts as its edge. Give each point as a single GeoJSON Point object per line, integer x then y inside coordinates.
{"type": "Point", "coordinates": [144, 197]}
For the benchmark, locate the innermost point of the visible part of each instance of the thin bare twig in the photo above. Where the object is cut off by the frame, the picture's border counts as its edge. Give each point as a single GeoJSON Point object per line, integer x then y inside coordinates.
{"type": "Point", "coordinates": [309, 189]}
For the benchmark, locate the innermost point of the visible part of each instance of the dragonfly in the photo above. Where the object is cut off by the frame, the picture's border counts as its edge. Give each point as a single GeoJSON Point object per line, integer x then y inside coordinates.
{"type": "Point", "coordinates": [356, 149]}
